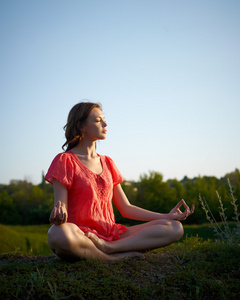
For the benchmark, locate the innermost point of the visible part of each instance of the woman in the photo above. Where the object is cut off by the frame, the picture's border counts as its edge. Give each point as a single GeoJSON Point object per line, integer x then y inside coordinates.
{"type": "Point", "coordinates": [85, 184]}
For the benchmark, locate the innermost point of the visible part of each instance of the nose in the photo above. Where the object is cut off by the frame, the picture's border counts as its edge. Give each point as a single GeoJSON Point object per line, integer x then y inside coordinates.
{"type": "Point", "coordinates": [104, 124]}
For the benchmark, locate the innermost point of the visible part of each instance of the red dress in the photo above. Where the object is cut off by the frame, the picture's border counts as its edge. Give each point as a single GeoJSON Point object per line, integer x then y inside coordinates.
{"type": "Point", "coordinates": [89, 194]}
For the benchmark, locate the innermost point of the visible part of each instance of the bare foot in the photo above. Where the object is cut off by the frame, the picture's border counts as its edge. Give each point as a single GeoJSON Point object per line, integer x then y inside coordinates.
{"type": "Point", "coordinates": [101, 244]}
{"type": "Point", "coordinates": [105, 247]}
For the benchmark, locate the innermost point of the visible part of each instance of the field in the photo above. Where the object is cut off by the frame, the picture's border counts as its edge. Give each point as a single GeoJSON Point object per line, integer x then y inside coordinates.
{"type": "Point", "coordinates": [27, 239]}
{"type": "Point", "coordinates": [194, 268]}
{"type": "Point", "coordinates": [32, 240]}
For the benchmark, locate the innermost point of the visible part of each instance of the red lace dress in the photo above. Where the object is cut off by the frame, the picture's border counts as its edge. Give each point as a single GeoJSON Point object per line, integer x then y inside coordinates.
{"type": "Point", "coordinates": [89, 194]}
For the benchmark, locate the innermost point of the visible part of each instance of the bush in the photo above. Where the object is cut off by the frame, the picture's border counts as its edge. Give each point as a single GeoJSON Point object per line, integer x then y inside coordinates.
{"type": "Point", "coordinates": [225, 232]}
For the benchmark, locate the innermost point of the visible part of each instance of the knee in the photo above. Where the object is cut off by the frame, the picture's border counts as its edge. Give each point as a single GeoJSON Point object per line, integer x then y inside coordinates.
{"type": "Point", "coordinates": [59, 241]}
{"type": "Point", "coordinates": [177, 230]}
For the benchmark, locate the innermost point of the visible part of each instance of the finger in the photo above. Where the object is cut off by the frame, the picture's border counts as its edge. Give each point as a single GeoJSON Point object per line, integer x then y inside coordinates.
{"type": "Point", "coordinates": [58, 211]}
{"type": "Point", "coordinates": [179, 204]}
{"type": "Point", "coordinates": [192, 209]}
{"type": "Point", "coordinates": [186, 206]}
{"type": "Point", "coordinates": [53, 215]}
{"type": "Point", "coordinates": [61, 214]}
{"type": "Point", "coordinates": [189, 212]}
{"type": "Point", "coordinates": [185, 214]}
{"type": "Point", "coordinates": [65, 217]}
{"type": "Point", "coordinates": [54, 212]}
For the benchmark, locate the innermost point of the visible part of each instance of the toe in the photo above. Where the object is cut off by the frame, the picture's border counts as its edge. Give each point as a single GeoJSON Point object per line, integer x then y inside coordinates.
{"type": "Point", "coordinates": [91, 236]}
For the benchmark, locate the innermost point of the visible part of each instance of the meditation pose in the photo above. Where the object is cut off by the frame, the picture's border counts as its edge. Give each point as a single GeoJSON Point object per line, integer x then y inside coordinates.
{"type": "Point", "coordinates": [85, 184]}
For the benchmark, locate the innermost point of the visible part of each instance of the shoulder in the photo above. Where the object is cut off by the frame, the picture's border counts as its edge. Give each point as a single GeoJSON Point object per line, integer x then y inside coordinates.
{"type": "Point", "coordinates": [67, 154]}
{"type": "Point", "coordinates": [116, 175]}
{"type": "Point", "coordinates": [63, 157]}
{"type": "Point", "coordinates": [62, 169]}
{"type": "Point", "coordinates": [107, 159]}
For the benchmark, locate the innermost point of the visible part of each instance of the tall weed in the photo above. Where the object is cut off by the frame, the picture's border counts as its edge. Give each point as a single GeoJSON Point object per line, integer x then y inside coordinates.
{"type": "Point", "coordinates": [224, 233]}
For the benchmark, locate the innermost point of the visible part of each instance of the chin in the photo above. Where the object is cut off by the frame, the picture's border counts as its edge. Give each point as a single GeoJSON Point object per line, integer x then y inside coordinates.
{"type": "Point", "coordinates": [100, 138]}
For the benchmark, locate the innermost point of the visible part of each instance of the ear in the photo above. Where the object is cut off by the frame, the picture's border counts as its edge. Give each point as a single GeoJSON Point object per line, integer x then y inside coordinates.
{"type": "Point", "coordinates": [83, 129]}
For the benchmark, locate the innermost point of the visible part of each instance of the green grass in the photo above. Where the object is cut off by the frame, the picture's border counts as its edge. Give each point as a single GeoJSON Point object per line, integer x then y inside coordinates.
{"type": "Point", "coordinates": [27, 239]}
{"type": "Point", "coordinates": [202, 231]}
{"type": "Point", "coordinates": [33, 239]}
{"type": "Point", "coordinates": [192, 269]}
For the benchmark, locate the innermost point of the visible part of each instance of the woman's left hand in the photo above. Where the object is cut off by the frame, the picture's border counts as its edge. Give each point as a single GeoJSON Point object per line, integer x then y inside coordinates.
{"type": "Point", "coordinates": [177, 214]}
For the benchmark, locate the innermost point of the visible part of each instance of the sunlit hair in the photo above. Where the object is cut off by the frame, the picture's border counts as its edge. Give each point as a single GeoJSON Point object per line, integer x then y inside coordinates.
{"type": "Point", "coordinates": [76, 121]}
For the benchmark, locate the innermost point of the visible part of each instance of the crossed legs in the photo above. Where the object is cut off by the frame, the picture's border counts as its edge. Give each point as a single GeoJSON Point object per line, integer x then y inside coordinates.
{"type": "Point", "coordinates": [147, 236]}
{"type": "Point", "coordinates": [68, 241]}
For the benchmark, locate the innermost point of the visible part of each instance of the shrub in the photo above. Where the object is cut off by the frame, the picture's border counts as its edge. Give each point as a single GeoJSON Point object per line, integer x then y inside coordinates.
{"type": "Point", "coordinates": [225, 232]}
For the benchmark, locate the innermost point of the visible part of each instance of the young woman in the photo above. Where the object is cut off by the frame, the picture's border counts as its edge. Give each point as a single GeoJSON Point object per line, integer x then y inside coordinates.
{"type": "Point", "coordinates": [85, 184]}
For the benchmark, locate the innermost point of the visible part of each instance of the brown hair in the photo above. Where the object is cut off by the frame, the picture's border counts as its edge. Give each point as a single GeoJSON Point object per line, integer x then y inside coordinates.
{"type": "Point", "coordinates": [76, 121]}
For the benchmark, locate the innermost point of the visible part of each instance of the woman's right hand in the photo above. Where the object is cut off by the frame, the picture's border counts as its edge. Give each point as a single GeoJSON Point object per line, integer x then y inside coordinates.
{"type": "Point", "coordinates": [59, 214]}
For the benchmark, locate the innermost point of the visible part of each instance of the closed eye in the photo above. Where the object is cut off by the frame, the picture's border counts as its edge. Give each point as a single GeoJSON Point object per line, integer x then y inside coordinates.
{"type": "Point", "coordinates": [101, 119]}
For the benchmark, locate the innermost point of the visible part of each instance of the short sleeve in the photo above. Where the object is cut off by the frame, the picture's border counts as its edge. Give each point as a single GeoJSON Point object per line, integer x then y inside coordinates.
{"type": "Point", "coordinates": [61, 169]}
{"type": "Point", "coordinates": [116, 175]}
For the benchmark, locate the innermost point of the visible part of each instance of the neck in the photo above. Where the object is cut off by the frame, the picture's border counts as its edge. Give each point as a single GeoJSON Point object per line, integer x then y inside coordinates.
{"type": "Point", "coordinates": [86, 148]}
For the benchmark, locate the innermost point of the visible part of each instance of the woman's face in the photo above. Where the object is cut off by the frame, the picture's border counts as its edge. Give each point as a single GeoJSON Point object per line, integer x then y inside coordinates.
{"type": "Point", "coordinates": [95, 128]}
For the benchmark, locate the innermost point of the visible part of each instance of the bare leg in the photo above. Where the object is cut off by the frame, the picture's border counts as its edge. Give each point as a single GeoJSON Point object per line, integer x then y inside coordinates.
{"type": "Point", "coordinates": [68, 242]}
{"type": "Point", "coordinates": [150, 235]}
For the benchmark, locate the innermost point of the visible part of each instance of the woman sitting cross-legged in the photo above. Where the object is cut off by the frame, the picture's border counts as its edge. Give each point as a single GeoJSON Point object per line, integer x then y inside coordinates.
{"type": "Point", "coordinates": [85, 184]}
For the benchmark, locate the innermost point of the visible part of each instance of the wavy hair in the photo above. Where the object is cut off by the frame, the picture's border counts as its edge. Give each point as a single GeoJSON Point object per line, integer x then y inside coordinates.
{"type": "Point", "coordinates": [76, 121]}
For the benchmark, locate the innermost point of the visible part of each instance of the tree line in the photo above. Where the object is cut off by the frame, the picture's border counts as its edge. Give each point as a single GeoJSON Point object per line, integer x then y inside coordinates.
{"type": "Point", "coordinates": [22, 203]}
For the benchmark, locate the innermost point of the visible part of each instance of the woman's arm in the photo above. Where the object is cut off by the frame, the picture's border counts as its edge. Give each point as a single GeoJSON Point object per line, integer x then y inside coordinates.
{"type": "Point", "coordinates": [130, 211]}
{"type": "Point", "coordinates": [59, 213]}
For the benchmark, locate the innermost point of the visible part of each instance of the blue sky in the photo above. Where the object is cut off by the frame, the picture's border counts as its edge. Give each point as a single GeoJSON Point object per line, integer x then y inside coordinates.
{"type": "Point", "coordinates": [166, 72]}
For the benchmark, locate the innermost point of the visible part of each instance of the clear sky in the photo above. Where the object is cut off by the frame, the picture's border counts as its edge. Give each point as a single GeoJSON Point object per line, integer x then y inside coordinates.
{"type": "Point", "coordinates": [166, 72]}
